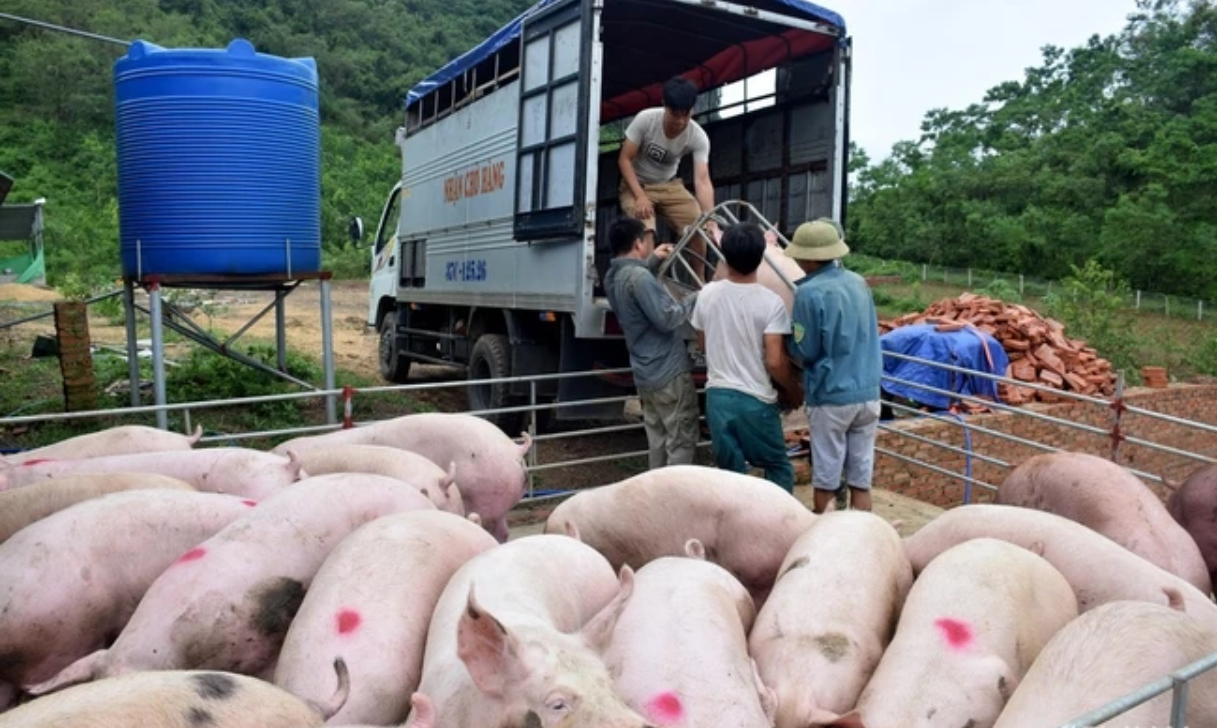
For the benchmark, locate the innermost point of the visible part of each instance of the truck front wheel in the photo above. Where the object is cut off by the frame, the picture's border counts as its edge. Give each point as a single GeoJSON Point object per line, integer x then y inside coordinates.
{"type": "Point", "coordinates": [491, 359]}
{"type": "Point", "coordinates": [393, 366]}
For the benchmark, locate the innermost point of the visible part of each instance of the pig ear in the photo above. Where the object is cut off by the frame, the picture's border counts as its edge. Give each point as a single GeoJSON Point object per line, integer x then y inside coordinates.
{"type": "Point", "coordinates": [294, 465]}
{"type": "Point", "coordinates": [486, 647]}
{"type": "Point", "coordinates": [198, 434]}
{"type": "Point", "coordinates": [695, 549]}
{"type": "Point", "coordinates": [526, 445]}
{"type": "Point", "coordinates": [599, 629]}
{"type": "Point", "coordinates": [1174, 598]}
{"type": "Point", "coordinates": [573, 531]}
{"type": "Point", "coordinates": [422, 714]}
{"type": "Point", "coordinates": [474, 518]}
{"type": "Point", "coordinates": [450, 477]}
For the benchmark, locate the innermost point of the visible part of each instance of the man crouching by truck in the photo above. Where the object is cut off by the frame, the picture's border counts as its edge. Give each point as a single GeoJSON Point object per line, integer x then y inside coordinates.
{"type": "Point", "coordinates": [655, 142]}
{"type": "Point", "coordinates": [659, 357]}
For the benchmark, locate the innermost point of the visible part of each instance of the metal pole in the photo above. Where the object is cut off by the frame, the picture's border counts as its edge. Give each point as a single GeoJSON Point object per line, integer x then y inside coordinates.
{"type": "Point", "coordinates": [969, 278]}
{"type": "Point", "coordinates": [62, 29]}
{"type": "Point", "coordinates": [327, 350]}
{"type": "Point", "coordinates": [1117, 413]}
{"type": "Point", "coordinates": [132, 341]}
{"type": "Point", "coordinates": [1137, 305]}
{"type": "Point", "coordinates": [1199, 310]}
{"type": "Point", "coordinates": [1179, 702]}
{"type": "Point", "coordinates": [158, 355]}
{"type": "Point", "coordinates": [532, 434]}
{"type": "Point", "coordinates": [1168, 305]}
{"type": "Point", "coordinates": [281, 334]}
{"type": "Point", "coordinates": [925, 272]}
{"type": "Point", "coordinates": [1021, 284]}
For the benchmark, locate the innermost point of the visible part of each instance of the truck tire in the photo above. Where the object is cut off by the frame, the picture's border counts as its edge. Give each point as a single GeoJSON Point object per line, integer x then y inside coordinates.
{"type": "Point", "coordinates": [491, 359]}
{"type": "Point", "coordinates": [393, 366]}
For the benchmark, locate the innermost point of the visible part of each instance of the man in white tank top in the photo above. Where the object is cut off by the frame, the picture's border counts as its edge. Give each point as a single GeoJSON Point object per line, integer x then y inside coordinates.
{"type": "Point", "coordinates": [741, 325]}
{"type": "Point", "coordinates": [655, 142]}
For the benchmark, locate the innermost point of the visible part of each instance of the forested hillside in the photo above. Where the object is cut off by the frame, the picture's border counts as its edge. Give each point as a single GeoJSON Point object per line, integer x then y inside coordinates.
{"type": "Point", "coordinates": [56, 99]}
{"type": "Point", "coordinates": [1105, 152]}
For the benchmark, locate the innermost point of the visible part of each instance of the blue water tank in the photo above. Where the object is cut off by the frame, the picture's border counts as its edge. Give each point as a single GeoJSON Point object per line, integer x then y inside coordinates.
{"type": "Point", "coordinates": [219, 162]}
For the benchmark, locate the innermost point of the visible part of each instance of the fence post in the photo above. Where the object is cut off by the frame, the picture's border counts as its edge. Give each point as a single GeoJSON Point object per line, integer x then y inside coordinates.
{"type": "Point", "coordinates": [1199, 310]}
{"type": "Point", "coordinates": [1020, 284]}
{"type": "Point", "coordinates": [1117, 409]}
{"type": "Point", "coordinates": [532, 434]}
{"type": "Point", "coordinates": [1137, 305]}
{"type": "Point", "coordinates": [944, 274]}
{"type": "Point", "coordinates": [925, 272]}
{"type": "Point", "coordinates": [969, 278]}
{"type": "Point", "coordinates": [1167, 298]}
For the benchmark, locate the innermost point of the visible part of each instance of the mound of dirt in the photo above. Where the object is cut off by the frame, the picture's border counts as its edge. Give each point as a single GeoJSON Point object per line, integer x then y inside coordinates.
{"type": "Point", "coordinates": [25, 292]}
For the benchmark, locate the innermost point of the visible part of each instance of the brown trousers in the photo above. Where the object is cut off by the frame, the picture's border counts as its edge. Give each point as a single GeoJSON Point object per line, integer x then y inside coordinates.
{"type": "Point", "coordinates": [671, 201]}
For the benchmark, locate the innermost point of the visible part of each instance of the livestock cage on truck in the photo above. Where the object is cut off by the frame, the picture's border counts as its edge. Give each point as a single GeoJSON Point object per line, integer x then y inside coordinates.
{"type": "Point", "coordinates": [491, 250]}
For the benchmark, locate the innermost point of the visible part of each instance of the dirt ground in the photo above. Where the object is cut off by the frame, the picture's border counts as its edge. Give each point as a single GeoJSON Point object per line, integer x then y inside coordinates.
{"type": "Point", "coordinates": [355, 351]}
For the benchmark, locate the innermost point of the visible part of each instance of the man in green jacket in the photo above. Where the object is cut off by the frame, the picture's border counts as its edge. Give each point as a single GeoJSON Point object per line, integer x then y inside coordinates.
{"type": "Point", "coordinates": [836, 336]}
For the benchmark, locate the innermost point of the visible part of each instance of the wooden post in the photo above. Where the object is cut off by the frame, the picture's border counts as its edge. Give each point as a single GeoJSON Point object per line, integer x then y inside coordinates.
{"type": "Point", "coordinates": [75, 359]}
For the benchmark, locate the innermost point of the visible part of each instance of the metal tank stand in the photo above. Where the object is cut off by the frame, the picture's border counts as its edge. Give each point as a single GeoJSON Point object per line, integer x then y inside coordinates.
{"type": "Point", "coordinates": [178, 321]}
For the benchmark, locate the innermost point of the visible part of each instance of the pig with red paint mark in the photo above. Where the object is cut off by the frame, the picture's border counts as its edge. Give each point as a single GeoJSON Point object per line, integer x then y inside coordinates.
{"type": "Point", "coordinates": [745, 523]}
{"type": "Point", "coordinates": [830, 616]}
{"type": "Point", "coordinates": [516, 636]}
{"type": "Point", "coordinates": [371, 603]}
{"type": "Point", "coordinates": [70, 581]}
{"type": "Point", "coordinates": [490, 467]}
{"type": "Point", "coordinates": [232, 470]}
{"type": "Point", "coordinates": [772, 270]}
{"type": "Point", "coordinates": [22, 506]}
{"type": "Point", "coordinates": [121, 440]}
{"type": "Point", "coordinates": [1098, 569]}
{"type": "Point", "coordinates": [1193, 505]}
{"type": "Point", "coordinates": [227, 603]}
{"type": "Point", "coordinates": [438, 484]}
{"type": "Point", "coordinates": [178, 699]}
{"type": "Point", "coordinates": [1107, 653]}
{"type": "Point", "coordinates": [1106, 498]}
{"type": "Point", "coordinates": [679, 652]}
{"type": "Point", "coordinates": [974, 622]}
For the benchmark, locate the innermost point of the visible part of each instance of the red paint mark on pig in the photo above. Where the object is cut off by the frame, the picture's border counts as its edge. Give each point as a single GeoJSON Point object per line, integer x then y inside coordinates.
{"type": "Point", "coordinates": [665, 708]}
{"type": "Point", "coordinates": [37, 461]}
{"type": "Point", "coordinates": [348, 621]}
{"type": "Point", "coordinates": [957, 634]}
{"type": "Point", "coordinates": [193, 554]}
{"type": "Point", "coordinates": [250, 503]}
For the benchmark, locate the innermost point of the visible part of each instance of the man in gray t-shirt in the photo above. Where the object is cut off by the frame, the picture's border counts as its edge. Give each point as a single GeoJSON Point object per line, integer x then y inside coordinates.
{"type": "Point", "coordinates": [655, 142]}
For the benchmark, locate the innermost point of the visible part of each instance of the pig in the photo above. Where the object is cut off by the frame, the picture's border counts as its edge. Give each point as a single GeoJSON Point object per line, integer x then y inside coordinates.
{"type": "Point", "coordinates": [1098, 569]}
{"type": "Point", "coordinates": [1107, 653]}
{"type": "Point", "coordinates": [746, 524]}
{"type": "Point", "coordinates": [490, 466]}
{"type": "Point", "coordinates": [371, 602]}
{"type": "Point", "coordinates": [226, 604]}
{"type": "Point", "coordinates": [830, 616]}
{"type": "Point", "coordinates": [177, 699]}
{"type": "Point", "coordinates": [409, 467]}
{"type": "Point", "coordinates": [516, 636]}
{"type": "Point", "coordinates": [771, 271]}
{"type": "Point", "coordinates": [1105, 497]}
{"type": "Point", "coordinates": [1111, 651]}
{"type": "Point", "coordinates": [974, 621]}
{"type": "Point", "coordinates": [70, 581]}
{"type": "Point", "coordinates": [687, 666]}
{"type": "Point", "coordinates": [121, 440]}
{"type": "Point", "coordinates": [23, 506]}
{"type": "Point", "coordinates": [1193, 505]}
{"type": "Point", "coordinates": [233, 470]}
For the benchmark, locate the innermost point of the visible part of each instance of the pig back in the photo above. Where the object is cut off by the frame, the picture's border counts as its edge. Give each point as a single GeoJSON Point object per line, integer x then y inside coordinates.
{"type": "Point", "coordinates": [1107, 653]}
{"type": "Point", "coordinates": [1106, 498]}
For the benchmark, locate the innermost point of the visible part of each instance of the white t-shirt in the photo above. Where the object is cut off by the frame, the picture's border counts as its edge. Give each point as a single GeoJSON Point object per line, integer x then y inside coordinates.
{"type": "Point", "coordinates": [735, 318]}
{"type": "Point", "coordinates": [658, 156]}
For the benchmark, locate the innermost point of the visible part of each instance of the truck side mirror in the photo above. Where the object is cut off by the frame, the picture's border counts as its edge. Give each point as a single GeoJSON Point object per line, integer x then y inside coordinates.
{"type": "Point", "coordinates": [355, 229]}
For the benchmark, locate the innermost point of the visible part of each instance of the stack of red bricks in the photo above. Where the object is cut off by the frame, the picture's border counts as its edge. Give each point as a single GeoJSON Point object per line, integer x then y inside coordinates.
{"type": "Point", "coordinates": [1038, 349]}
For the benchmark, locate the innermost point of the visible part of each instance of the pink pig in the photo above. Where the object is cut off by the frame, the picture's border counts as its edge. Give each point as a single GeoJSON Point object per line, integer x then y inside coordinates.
{"type": "Point", "coordinates": [490, 467]}
{"type": "Point", "coordinates": [1098, 569]}
{"type": "Point", "coordinates": [121, 440]}
{"type": "Point", "coordinates": [975, 620]}
{"type": "Point", "coordinates": [1107, 653]}
{"type": "Point", "coordinates": [431, 480]}
{"type": "Point", "coordinates": [227, 603]}
{"type": "Point", "coordinates": [679, 653]}
{"type": "Point", "coordinates": [830, 616]}
{"type": "Point", "coordinates": [1105, 497]}
{"type": "Point", "coordinates": [70, 581]}
{"type": "Point", "coordinates": [746, 524]}
{"type": "Point", "coordinates": [515, 636]}
{"type": "Point", "coordinates": [233, 470]}
{"type": "Point", "coordinates": [371, 603]}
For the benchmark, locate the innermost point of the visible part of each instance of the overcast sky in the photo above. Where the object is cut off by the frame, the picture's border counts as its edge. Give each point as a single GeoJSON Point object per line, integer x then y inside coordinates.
{"type": "Point", "coordinates": [911, 56]}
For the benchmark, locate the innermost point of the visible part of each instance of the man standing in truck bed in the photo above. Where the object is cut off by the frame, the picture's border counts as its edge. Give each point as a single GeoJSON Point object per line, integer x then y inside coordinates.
{"type": "Point", "coordinates": [655, 142]}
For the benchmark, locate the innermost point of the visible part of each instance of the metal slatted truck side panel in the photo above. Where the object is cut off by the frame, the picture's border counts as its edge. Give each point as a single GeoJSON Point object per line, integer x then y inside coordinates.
{"type": "Point", "coordinates": [491, 250]}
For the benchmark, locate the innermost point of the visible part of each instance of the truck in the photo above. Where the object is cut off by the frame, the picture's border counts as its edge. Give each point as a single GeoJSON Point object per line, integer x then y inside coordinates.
{"type": "Point", "coordinates": [491, 249]}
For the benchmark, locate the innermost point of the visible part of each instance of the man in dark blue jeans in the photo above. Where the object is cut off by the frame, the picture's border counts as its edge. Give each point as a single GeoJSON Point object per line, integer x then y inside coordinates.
{"type": "Point", "coordinates": [659, 355]}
